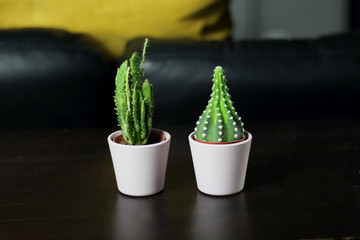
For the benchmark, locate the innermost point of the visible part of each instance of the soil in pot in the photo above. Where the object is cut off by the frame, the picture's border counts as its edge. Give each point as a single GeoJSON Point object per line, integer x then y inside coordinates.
{"type": "Point", "coordinates": [153, 138]}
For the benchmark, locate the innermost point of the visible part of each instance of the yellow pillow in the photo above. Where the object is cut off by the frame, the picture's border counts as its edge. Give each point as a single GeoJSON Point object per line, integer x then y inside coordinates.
{"type": "Point", "coordinates": [114, 22]}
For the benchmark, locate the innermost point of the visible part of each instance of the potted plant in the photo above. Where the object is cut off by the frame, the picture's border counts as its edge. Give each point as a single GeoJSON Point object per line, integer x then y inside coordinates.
{"type": "Point", "coordinates": [139, 152]}
{"type": "Point", "coordinates": [219, 145]}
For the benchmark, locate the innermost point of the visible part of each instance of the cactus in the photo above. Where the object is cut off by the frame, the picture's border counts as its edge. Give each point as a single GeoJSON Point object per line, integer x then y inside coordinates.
{"type": "Point", "coordinates": [134, 102]}
{"type": "Point", "coordinates": [219, 122]}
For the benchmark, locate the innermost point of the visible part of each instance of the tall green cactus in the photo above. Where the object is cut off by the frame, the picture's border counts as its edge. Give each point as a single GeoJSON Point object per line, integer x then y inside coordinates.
{"type": "Point", "coordinates": [134, 101]}
{"type": "Point", "coordinates": [219, 122]}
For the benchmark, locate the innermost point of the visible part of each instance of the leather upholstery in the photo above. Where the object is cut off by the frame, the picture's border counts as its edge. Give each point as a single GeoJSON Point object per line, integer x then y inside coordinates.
{"type": "Point", "coordinates": [52, 78]}
{"type": "Point", "coordinates": [268, 79]}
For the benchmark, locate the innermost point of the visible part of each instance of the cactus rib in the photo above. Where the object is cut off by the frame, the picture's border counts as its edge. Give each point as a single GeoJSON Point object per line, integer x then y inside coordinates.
{"type": "Point", "coordinates": [219, 122]}
{"type": "Point", "coordinates": [134, 102]}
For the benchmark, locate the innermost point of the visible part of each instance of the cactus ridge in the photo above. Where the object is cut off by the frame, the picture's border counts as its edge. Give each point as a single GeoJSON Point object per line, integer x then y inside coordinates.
{"type": "Point", "coordinates": [134, 101]}
{"type": "Point", "coordinates": [219, 122]}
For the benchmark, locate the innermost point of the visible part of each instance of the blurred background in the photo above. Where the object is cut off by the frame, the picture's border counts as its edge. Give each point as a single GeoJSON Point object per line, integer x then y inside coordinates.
{"type": "Point", "coordinates": [292, 18]}
{"type": "Point", "coordinates": [289, 58]}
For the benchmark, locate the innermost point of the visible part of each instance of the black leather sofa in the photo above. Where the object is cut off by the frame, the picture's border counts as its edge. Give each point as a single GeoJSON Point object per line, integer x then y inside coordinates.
{"type": "Point", "coordinates": [51, 78]}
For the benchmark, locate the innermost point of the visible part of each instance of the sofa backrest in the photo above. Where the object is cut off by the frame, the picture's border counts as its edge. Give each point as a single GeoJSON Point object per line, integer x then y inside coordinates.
{"type": "Point", "coordinates": [52, 78]}
{"type": "Point", "coordinates": [268, 79]}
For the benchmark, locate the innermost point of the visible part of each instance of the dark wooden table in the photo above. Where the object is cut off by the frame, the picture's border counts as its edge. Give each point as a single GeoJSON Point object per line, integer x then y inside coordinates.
{"type": "Point", "coordinates": [303, 182]}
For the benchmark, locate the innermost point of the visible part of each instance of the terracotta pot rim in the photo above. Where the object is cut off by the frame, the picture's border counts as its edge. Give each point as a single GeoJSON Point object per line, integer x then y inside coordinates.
{"type": "Point", "coordinates": [246, 137]}
{"type": "Point", "coordinates": [165, 137]}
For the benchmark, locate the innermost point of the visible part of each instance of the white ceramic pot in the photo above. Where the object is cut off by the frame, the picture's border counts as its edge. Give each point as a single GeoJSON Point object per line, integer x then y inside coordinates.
{"type": "Point", "coordinates": [140, 169]}
{"type": "Point", "coordinates": [220, 169]}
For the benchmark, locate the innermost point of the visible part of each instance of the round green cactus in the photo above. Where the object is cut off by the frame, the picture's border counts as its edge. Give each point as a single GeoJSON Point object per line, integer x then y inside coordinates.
{"type": "Point", "coordinates": [219, 122]}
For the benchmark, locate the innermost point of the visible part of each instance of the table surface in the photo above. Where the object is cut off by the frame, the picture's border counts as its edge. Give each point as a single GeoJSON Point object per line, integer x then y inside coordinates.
{"type": "Point", "coordinates": [303, 182]}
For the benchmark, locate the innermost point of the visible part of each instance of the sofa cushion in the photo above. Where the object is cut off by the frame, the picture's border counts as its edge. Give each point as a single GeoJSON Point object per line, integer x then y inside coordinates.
{"type": "Point", "coordinates": [115, 22]}
{"type": "Point", "coordinates": [268, 79]}
{"type": "Point", "coordinates": [51, 78]}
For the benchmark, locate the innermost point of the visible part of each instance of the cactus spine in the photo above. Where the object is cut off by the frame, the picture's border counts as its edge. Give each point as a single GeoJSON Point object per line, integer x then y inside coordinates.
{"type": "Point", "coordinates": [134, 102]}
{"type": "Point", "coordinates": [219, 122]}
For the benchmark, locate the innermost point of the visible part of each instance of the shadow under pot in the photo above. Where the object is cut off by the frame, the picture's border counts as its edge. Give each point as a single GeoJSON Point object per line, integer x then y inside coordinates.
{"type": "Point", "coordinates": [140, 169]}
{"type": "Point", "coordinates": [220, 169]}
